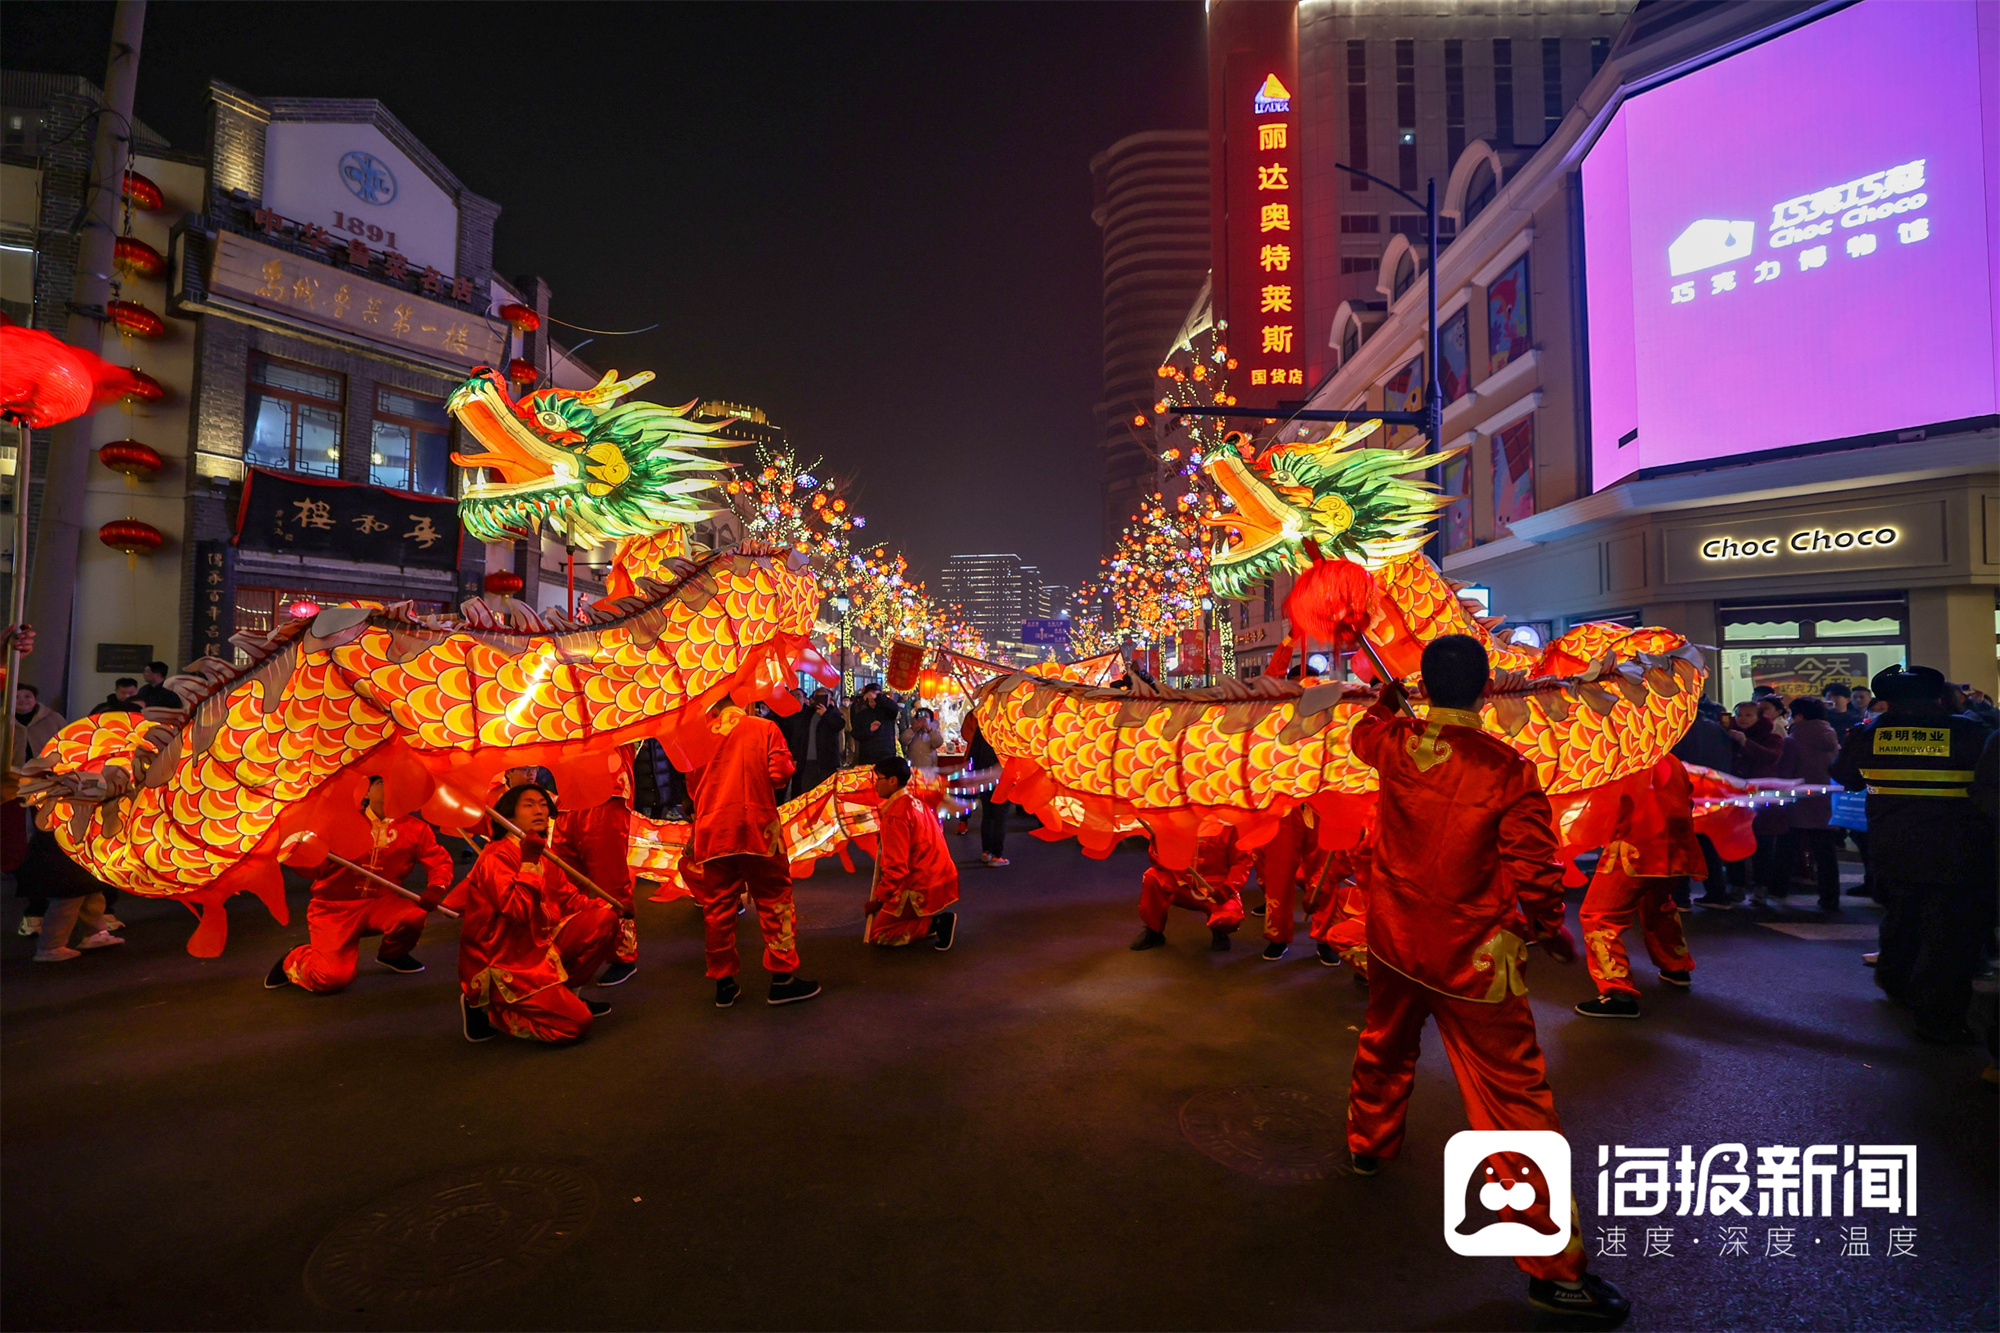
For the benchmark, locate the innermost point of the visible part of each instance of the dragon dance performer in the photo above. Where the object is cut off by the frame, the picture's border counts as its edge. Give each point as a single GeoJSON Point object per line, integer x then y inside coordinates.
{"type": "Point", "coordinates": [915, 877]}
{"type": "Point", "coordinates": [1213, 885]}
{"type": "Point", "coordinates": [598, 842]}
{"type": "Point", "coordinates": [1278, 863]}
{"type": "Point", "coordinates": [1464, 868]}
{"type": "Point", "coordinates": [735, 847]}
{"type": "Point", "coordinates": [529, 937]}
{"type": "Point", "coordinates": [1335, 890]}
{"type": "Point", "coordinates": [1652, 851]}
{"type": "Point", "coordinates": [347, 906]}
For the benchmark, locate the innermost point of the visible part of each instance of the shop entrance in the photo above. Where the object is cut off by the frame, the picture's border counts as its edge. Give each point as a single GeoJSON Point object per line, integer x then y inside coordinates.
{"type": "Point", "coordinates": [1802, 647]}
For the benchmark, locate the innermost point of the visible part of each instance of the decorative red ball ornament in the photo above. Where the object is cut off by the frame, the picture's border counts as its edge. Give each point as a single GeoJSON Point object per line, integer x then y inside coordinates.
{"type": "Point", "coordinates": [138, 259]}
{"type": "Point", "coordinates": [132, 537]}
{"type": "Point", "coordinates": [45, 381]}
{"type": "Point", "coordinates": [523, 319]}
{"type": "Point", "coordinates": [144, 195]}
{"type": "Point", "coordinates": [504, 583]}
{"type": "Point", "coordinates": [134, 319]}
{"type": "Point", "coordinates": [139, 462]}
{"type": "Point", "coordinates": [522, 372]}
{"type": "Point", "coordinates": [1331, 601]}
{"type": "Point", "coordinates": [144, 388]}
{"type": "Point", "coordinates": [303, 609]}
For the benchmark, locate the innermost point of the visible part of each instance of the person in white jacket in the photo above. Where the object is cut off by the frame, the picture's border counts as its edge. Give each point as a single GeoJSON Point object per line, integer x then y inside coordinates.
{"type": "Point", "coordinates": [922, 740]}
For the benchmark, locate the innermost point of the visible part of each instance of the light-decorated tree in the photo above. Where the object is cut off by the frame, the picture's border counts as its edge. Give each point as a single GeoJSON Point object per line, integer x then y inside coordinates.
{"type": "Point", "coordinates": [1157, 576]}
{"type": "Point", "coordinates": [788, 503]}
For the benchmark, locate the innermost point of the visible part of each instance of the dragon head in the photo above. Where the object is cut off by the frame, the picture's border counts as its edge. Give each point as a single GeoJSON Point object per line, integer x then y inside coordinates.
{"type": "Point", "coordinates": [588, 466]}
{"type": "Point", "coordinates": [1316, 498]}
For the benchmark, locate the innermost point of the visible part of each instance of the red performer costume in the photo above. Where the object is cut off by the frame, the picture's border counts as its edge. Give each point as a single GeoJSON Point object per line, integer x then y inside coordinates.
{"type": "Point", "coordinates": [1335, 887]}
{"type": "Point", "coordinates": [598, 842]}
{"type": "Point", "coordinates": [346, 906]}
{"type": "Point", "coordinates": [1463, 873]}
{"type": "Point", "coordinates": [1278, 862]}
{"type": "Point", "coordinates": [1653, 845]}
{"type": "Point", "coordinates": [915, 877]}
{"type": "Point", "coordinates": [528, 933]}
{"type": "Point", "coordinates": [1212, 885]}
{"type": "Point", "coordinates": [735, 848]}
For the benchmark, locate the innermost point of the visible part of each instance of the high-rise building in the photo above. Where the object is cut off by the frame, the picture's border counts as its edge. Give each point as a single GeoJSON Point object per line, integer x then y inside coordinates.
{"type": "Point", "coordinates": [1056, 600]}
{"type": "Point", "coordinates": [1152, 206]}
{"type": "Point", "coordinates": [1031, 592]}
{"type": "Point", "coordinates": [988, 591]}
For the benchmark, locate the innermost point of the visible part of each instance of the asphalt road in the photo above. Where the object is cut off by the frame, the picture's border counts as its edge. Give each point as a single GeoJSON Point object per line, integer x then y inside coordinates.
{"type": "Point", "coordinates": [1003, 1136]}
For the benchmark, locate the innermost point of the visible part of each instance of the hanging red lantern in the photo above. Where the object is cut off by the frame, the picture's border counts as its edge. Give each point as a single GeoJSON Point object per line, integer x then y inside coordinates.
{"type": "Point", "coordinates": [504, 583]}
{"type": "Point", "coordinates": [930, 684]}
{"type": "Point", "coordinates": [522, 372]}
{"type": "Point", "coordinates": [139, 462]}
{"type": "Point", "coordinates": [132, 537]}
{"type": "Point", "coordinates": [45, 381]}
{"type": "Point", "coordinates": [906, 662]}
{"type": "Point", "coordinates": [134, 257]}
{"type": "Point", "coordinates": [134, 319]}
{"type": "Point", "coordinates": [303, 609]}
{"type": "Point", "coordinates": [144, 195]}
{"type": "Point", "coordinates": [143, 388]}
{"type": "Point", "coordinates": [521, 317]}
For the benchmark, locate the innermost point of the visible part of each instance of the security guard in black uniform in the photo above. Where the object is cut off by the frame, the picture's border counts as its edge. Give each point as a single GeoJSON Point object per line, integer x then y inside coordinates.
{"type": "Point", "coordinates": [1926, 841]}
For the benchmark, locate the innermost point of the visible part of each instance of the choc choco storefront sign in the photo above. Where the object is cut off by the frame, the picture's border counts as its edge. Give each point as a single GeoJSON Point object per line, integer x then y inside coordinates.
{"type": "Point", "coordinates": [346, 521]}
{"type": "Point", "coordinates": [1893, 536]}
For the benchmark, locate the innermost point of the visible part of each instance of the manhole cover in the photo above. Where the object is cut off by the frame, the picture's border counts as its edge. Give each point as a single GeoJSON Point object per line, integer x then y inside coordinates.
{"type": "Point", "coordinates": [1285, 1136]}
{"type": "Point", "coordinates": [473, 1231]}
{"type": "Point", "coordinates": [831, 906]}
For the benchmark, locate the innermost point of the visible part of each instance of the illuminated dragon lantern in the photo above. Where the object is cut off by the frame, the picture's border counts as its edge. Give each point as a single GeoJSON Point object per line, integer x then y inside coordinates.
{"type": "Point", "coordinates": [194, 804]}
{"type": "Point", "coordinates": [1593, 710]}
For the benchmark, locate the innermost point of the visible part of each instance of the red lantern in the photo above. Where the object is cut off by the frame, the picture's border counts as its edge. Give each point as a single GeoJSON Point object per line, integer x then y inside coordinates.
{"type": "Point", "coordinates": [134, 319]}
{"type": "Point", "coordinates": [144, 388]}
{"type": "Point", "coordinates": [522, 372]}
{"type": "Point", "coordinates": [133, 256]}
{"type": "Point", "coordinates": [45, 381]}
{"type": "Point", "coordinates": [303, 609]}
{"type": "Point", "coordinates": [132, 537]}
{"type": "Point", "coordinates": [906, 661]}
{"type": "Point", "coordinates": [139, 462]}
{"type": "Point", "coordinates": [144, 195]}
{"type": "Point", "coordinates": [523, 319]}
{"type": "Point", "coordinates": [504, 583]}
{"type": "Point", "coordinates": [930, 685]}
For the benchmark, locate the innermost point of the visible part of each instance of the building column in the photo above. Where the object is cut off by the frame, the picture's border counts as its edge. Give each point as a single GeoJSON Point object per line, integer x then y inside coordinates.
{"type": "Point", "coordinates": [1952, 629]}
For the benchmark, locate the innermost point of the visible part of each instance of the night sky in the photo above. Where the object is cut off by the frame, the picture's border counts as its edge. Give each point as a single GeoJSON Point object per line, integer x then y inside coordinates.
{"type": "Point", "coordinates": [872, 221]}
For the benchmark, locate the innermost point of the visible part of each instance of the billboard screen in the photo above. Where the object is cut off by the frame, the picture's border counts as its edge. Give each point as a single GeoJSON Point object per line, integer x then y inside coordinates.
{"type": "Point", "coordinates": [1795, 244]}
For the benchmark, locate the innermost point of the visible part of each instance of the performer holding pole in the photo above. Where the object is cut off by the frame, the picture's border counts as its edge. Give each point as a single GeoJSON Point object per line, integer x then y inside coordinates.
{"type": "Point", "coordinates": [1652, 848]}
{"type": "Point", "coordinates": [355, 899]}
{"type": "Point", "coordinates": [530, 938]}
{"type": "Point", "coordinates": [598, 842]}
{"type": "Point", "coordinates": [1463, 871]}
{"type": "Point", "coordinates": [1213, 885]}
{"type": "Point", "coordinates": [915, 877]}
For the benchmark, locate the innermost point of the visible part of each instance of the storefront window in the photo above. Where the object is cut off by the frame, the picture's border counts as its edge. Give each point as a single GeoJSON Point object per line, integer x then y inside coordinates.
{"type": "Point", "coordinates": [294, 418]}
{"type": "Point", "coordinates": [410, 446]}
{"type": "Point", "coordinates": [1801, 648]}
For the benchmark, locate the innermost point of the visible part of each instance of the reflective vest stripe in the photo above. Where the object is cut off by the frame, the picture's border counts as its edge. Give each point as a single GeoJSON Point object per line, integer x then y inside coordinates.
{"type": "Point", "coordinates": [1920, 791]}
{"type": "Point", "coordinates": [1917, 774]}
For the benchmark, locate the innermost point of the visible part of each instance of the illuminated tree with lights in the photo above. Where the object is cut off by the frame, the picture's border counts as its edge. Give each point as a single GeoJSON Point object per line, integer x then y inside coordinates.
{"type": "Point", "coordinates": [788, 504]}
{"type": "Point", "coordinates": [1195, 374]}
{"type": "Point", "coordinates": [887, 604]}
{"type": "Point", "coordinates": [1157, 576]}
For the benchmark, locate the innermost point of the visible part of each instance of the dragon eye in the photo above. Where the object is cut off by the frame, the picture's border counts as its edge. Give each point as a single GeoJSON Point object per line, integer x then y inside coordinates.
{"type": "Point", "coordinates": [551, 420]}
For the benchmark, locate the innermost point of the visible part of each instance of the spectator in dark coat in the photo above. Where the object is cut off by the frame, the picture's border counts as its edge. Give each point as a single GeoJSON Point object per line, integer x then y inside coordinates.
{"type": "Point", "coordinates": [122, 699]}
{"type": "Point", "coordinates": [1707, 744]}
{"type": "Point", "coordinates": [874, 722]}
{"type": "Point", "coordinates": [1758, 746]}
{"type": "Point", "coordinates": [653, 781]}
{"type": "Point", "coordinates": [1808, 753]}
{"type": "Point", "coordinates": [75, 898]}
{"type": "Point", "coordinates": [980, 759]}
{"type": "Point", "coordinates": [814, 736]}
{"type": "Point", "coordinates": [1841, 714]}
{"type": "Point", "coordinates": [154, 693]}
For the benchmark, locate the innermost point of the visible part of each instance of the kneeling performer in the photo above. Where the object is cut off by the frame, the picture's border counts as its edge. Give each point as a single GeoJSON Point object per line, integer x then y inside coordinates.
{"type": "Point", "coordinates": [915, 877]}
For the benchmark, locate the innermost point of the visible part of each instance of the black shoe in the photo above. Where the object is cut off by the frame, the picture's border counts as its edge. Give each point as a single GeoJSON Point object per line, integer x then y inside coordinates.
{"type": "Point", "coordinates": [598, 1008]}
{"type": "Point", "coordinates": [1258, 910]}
{"type": "Point", "coordinates": [1274, 951]}
{"type": "Point", "coordinates": [793, 989]}
{"type": "Point", "coordinates": [276, 979]}
{"type": "Point", "coordinates": [1218, 941]}
{"type": "Point", "coordinates": [406, 964]}
{"type": "Point", "coordinates": [1148, 939]}
{"type": "Point", "coordinates": [1595, 1298]}
{"type": "Point", "coordinates": [1683, 978]}
{"type": "Point", "coordinates": [1363, 1164]}
{"type": "Point", "coordinates": [618, 973]}
{"type": "Point", "coordinates": [726, 991]}
{"type": "Point", "coordinates": [1328, 955]}
{"type": "Point", "coordinates": [1609, 1006]}
{"type": "Point", "coordinates": [477, 1026]}
{"type": "Point", "coordinates": [944, 928]}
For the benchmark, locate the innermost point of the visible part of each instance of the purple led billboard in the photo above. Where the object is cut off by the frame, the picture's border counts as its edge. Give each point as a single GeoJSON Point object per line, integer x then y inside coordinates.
{"type": "Point", "coordinates": [1796, 244]}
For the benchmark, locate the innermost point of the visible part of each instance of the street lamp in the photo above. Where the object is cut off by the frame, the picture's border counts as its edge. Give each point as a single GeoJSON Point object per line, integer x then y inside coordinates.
{"type": "Point", "coordinates": [841, 605]}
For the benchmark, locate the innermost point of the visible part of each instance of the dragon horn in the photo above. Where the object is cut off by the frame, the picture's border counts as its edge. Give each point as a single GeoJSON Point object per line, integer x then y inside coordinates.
{"type": "Point", "coordinates": [611, 388]}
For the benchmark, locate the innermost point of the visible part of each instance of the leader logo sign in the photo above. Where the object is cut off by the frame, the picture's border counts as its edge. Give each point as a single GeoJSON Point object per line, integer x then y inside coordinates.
{"type": "Point", "coordinates": [1804, 542]}
{"type": "Point", "coordinates": [368, 178]}
{"type": "Point", "coordinates": [1506, 1192]}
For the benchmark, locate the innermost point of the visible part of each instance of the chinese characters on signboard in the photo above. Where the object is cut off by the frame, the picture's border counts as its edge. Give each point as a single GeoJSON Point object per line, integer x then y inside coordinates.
{"type": "Point", "coordinates": [295, 516]}
{"type": "Point", "coordinates": [214, 600]}
{"type": "Point", "coordinates": [1262, 291]}
{"type": "Point", "coordinates": [336, 298]}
